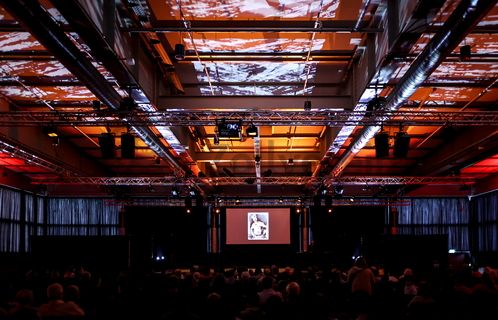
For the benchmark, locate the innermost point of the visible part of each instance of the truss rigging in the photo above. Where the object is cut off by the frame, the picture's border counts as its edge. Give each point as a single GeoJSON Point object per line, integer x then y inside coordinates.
{"type": "Point", "coordinates": [256, 117]}
{"type": "Point", "coordinates": [228, 181]}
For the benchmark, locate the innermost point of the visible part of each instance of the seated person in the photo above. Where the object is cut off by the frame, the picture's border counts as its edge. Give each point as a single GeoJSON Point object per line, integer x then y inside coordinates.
{"type": "Point", "coordinates": [56, 307]}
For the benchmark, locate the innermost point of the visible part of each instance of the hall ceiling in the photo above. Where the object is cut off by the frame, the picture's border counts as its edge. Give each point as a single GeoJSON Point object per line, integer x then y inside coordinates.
{"type": "Point", "coordinates": [92, 67]}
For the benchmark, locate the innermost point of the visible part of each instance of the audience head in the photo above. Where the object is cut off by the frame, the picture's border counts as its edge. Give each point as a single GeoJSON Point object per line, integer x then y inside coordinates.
{"type": "Point", "coordinates": [360, 262]}
{"type": "Point", "coordinates": [55, 291]}
{"type": "Point", "coordinates": [293, 289]}
{"type": "Point", "coordinates": [267, 282]}
{"type": "Point", "coordinates": [72, 293]}
{"type": "Point", "coordinates": [25, 297]}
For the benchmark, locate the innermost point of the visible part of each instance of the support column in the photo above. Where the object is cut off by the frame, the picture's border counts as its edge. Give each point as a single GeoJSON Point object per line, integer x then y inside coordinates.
{"type": "Point", "coordinates": [304, 223]}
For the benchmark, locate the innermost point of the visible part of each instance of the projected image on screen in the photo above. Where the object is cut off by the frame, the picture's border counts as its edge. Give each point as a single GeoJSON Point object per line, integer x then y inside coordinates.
{"type": "Point", "coordinates": [258, 227]}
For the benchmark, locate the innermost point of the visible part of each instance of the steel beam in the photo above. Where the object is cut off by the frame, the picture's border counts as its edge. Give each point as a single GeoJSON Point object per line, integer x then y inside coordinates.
{"type": "Point", "coordinates": [176, 118]}
{"type": "Point", "coordinates": [252, 102]}
{"type": "Point", "coordinates": [227, 181]}
{"type": "Point", "coordinates": [327, 26]}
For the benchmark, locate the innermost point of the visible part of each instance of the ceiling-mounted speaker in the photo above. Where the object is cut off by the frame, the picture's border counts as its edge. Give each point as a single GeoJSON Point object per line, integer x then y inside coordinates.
{"type": "Point", "coordinates": [465, 52]}
{"type": "Point", "coordinates": [179, 51]}
{"type": "Point", "coordinates": [127, 146]}
{"type": "Point", "coordinates": [401, 144]}
{"type": "Point", "coordinates": [107, 145]}
{"type": "Point", "coordinates": [382, 145]}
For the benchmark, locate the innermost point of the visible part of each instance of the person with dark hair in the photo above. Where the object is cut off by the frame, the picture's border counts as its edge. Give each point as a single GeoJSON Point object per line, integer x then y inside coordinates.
{"type": "Point", "coordinates": [56, 307]}
{"type": "Point", "coordinates": [23, 309]}
{"type": "Point", "coordinates": [267, 284]}
{"type": "Point", "coordinates": [361, 279]}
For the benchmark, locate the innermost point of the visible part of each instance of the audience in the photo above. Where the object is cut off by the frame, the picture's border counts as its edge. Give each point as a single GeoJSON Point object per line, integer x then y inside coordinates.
{"type": "Point", "coordinates": [242, 293]}
{"type": "Point", "coordinates": [56, 307]}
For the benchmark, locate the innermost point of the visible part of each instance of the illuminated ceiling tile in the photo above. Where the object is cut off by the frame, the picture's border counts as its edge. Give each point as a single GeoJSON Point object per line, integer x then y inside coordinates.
{"type": "Point", "coordinates": [34, 68]}
{"type": "Point", "coordinates": [13, 41]}
{"type": "Point", "coordinates": [249, 72]}
{"type": "Point", "coordinates": [270, 44]}
{"type": "Point", "coordinates": [253, 9]}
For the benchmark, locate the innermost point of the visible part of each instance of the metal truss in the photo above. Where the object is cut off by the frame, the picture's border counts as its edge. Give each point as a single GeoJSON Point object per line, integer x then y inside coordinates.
{"type": "Point", "coordinates": [257, 117]}
{"type": "Point", "coordinates": [258, 202]}
{"type": "Point", "coordinates": [16, 150]}
{"type": "Point", "coordinates": [233, 181]}
{"type": "Point", "coordinates": [407, 180]}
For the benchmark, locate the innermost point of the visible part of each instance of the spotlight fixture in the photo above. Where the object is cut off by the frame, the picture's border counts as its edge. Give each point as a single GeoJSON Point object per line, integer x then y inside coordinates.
{"type": "Point", "coordinates": [290, 162]}
{"type": "Point", "coordinates": [338, 191]}
{"type": "Point", "coordinates": [465, 52]}
{"type": "Point", "coordinates": [252, 131]}
{"type": "Point", "coordinates": [298, 210]}
{"type": "Point", "coordinates": [280, 200]}
{"type": "Point", "coordinates": [307, 105]}
{"type": "Point", "coordinates": [51, 132]}
{"type": "Point", "coordinates": [217, 210]}
{"type": "Point", "coordinates": [237, 201]}
{"type": "Point", "coordinates": [376, 103]}
{"type": "Point", "coordinates": [175, 192]}
{"type": "Point", "coordinates": [179, 51]}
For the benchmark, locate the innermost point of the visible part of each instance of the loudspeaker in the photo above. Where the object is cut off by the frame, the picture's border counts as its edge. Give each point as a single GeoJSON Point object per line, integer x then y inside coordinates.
{"type": "Point", "coordinates": [382, 145]}
{"type": "Point", "coordinates": [107, 146]}
{"type": "Point", "coordinates": [127, 146]}
{"type": "Point", "coordinates": [401, 144]}
{"type": "Point", "coordinates": [179, 51]}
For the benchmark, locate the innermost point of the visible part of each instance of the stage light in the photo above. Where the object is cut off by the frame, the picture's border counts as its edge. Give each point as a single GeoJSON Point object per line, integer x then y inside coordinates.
{"type": "Point", "coordinates": [257, 158]}
{"type": "Point", "coordinates": [179, 51]}
{"type": "Point", "coordinates": [329, 210]}
{"type": "Point", "coordinates": [217, 210]}
{"type": "Point", "coordinates": [339, 190]}
{"type": "Point", "coordinates": [290, 162]}
{"type": "Point", "coordinates": [51, 132]}
{"type": "Point", "coordinates": [252, 131]}
{"type": "Point", "coordinates": [307, 105]}
{"type": "Point", "coordinates": [376, 103]}
{"type": "Point", "coordinates": [237, 201]}
{"type": "Point", "coordinates": [175, 192]}
{"type": "Point", "coordinates": [280, 200]}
